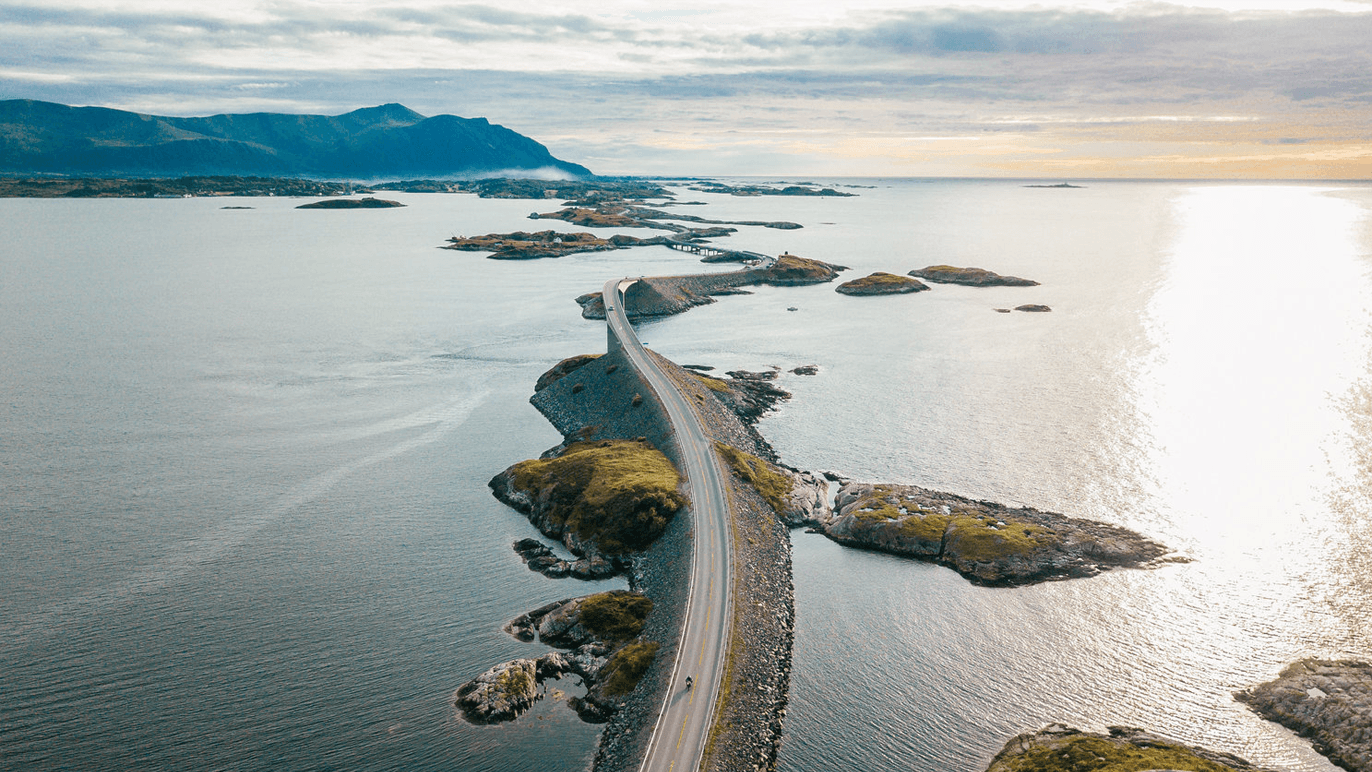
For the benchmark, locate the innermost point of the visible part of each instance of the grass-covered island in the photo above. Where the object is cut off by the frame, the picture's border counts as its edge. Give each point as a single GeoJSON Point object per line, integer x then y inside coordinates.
{"type": "Point", "coordinates": [1058, 748]}
{"type": "Point", "coordinates": [881, 283]}
{"type": "Point", "coordinates": [971, 277]}
{"type": "Point", "coordinates": [988, 543]}
{"type": "Point", "coordinates": [1328, 701]}
{"type": "Point", "coordinates": [601, 634]}
{"type": "Point", "coordinates": [604, 497]}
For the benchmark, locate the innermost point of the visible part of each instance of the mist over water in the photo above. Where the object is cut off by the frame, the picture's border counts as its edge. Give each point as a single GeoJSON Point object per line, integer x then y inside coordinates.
{"type": "Point", "coordinates": [244, 454]}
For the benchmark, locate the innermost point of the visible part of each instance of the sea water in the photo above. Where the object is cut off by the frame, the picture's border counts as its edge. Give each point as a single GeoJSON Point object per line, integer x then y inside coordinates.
{"type": "Point", "coordinates": [243, 454]}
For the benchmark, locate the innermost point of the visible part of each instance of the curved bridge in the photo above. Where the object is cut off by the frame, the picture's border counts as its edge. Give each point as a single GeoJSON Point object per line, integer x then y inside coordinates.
{"type": "Point", "coordinates": [684, 723]}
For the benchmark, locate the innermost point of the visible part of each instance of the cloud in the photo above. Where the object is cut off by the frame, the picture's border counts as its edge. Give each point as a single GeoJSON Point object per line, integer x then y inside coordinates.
{"type": "Point", "coordinates": [599, 75]}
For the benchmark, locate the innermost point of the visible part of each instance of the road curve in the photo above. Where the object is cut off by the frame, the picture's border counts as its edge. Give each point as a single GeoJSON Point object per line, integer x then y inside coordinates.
{"type": "Point", "coordinates": [683, 725]}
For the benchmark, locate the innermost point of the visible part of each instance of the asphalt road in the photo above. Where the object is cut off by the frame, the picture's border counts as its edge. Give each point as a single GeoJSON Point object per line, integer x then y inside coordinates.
{"type": "Point", "coordinates": [684, 723]}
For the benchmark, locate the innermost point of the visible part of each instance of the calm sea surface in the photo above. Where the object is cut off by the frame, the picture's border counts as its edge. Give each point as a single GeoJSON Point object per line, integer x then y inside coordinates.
{"type": "Point", "coordinates": [243, 453]}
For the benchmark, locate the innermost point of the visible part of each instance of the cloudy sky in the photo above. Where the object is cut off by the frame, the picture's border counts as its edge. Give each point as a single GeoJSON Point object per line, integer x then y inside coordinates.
{"type": "Point", "coordinates": [1226, 88]}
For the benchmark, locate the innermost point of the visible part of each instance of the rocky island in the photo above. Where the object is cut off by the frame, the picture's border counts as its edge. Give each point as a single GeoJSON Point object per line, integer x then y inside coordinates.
{"type": "Point", "coordinates": [807, 189]}
{"type": "Point", "coordinates": [1328, 701]}
{"type": "Point", "coordinates": [988, 543]}
{"type": "Point", "coordinates": [668, 295]}
{"type": "Point", "coordinates": [600, 498]}
{"type": "Point", "coordinates": [352, 203]}
{"type": "Point", "coordinates": [970, 277]}
{"type": "Point", "coordinates": [1059, 748]}
{"type": "Point", "coordinates": [881, 283]}
{"type": "Point", "coordinates": [521, 245]}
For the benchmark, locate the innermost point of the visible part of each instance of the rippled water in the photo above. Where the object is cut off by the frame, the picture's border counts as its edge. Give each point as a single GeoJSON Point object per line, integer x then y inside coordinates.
{"type": "Point", "coordinates": [243, 458]}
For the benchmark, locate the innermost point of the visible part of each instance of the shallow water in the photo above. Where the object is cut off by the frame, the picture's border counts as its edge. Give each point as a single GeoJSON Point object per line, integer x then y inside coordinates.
{"type": "Point", "coordinates": [244, 455]}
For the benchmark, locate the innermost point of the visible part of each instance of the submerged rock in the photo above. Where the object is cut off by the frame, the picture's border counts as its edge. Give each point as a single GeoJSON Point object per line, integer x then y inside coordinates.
{"type": "Point", "coordinates": [986, 542]}
{"type": "Point", "coordinates": [1060, 748]}
{"type": "Point", "coordinates": [1328, 701]}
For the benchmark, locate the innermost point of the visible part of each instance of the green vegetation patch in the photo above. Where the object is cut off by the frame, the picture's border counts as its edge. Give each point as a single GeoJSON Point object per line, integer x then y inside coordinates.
{"type": "Point", "coordinates": [773, 486]}
{"type": "Point", "coordinates": [881, 283]}
{"type": "Point", "coordinates": [882, 506]}
{"type": "Point", "coordinates": [516, 683]}
{"type": "Point", "coordinates": [981, 538]}
{"type": "Point", "coordinates": [619, 493]}
{"type": "Point", "coordinates": [617, 615]}
{"type": "Point", "coordinates": [1097, 754]}
{"type": "Point", "coordinates": [928, 526]}
{"type": "Point", "coordinates": [713, 384]}
{"type": "Point", "coordinates": [626, 668]}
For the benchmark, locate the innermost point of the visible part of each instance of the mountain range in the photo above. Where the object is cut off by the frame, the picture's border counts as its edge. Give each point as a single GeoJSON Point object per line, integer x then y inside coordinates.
{"type": "Point", "coordinates": [387, 141]}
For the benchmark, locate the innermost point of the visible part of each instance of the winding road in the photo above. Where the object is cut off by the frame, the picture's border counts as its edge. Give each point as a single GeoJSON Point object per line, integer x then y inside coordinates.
{"type": "Point", "coordinates": [684, 723]}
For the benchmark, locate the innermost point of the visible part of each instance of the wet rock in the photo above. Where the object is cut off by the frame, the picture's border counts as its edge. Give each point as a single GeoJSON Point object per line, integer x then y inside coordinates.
{"type": "Point", "coordinates": [808, 502]}
{"type": "Point", "coordinates": [806, 370]}
{"type": "Point", "coordinates": [1328, 701]}
{"type": "Point", "coordinates": [501, 693]}
{"type": "Point", "coordinates": [1033, 308]}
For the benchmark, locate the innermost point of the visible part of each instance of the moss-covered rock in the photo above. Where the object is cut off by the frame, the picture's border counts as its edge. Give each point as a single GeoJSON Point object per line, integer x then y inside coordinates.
{"type": "Point", "coordinates": [988, 543]}
{"type": "Point", "coordinates": [617, 615]}
{"type": "Point", "coordinates": [610, 496]}
{"type": "Point", "coordinates": [501, 693]}
{"type": "Point", "coordinates": [1059, 748]}
{"type": "Point", "coordinates": [881, 283]}
{"type": "Point", "coordinates": [624, 670]}
{"type": "Point", "coordinates": [790, 270]}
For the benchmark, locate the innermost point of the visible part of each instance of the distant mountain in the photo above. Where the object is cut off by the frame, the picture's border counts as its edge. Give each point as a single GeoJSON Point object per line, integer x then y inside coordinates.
{"type": "Point", "coordinates": [387, 141]}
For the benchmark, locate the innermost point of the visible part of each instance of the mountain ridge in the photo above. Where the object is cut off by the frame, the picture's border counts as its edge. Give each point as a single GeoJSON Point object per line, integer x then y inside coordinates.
{"type": "Point", "coordinates": [387, 140]}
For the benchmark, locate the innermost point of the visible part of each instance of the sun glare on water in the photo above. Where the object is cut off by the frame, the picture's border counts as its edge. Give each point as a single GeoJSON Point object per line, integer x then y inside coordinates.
{"type": "Point", "coordinates": [1259, 331]}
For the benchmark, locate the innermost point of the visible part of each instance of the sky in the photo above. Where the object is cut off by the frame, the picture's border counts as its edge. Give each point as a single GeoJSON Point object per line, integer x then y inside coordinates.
{"type": "Point", "coordinates": [1000, 88]}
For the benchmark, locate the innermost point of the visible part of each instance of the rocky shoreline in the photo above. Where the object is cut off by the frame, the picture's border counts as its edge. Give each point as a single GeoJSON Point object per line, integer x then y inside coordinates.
{"type": "Point", "coordinates": [987, 543]}
{"type": "Point", "coordinates": [1328, 701]}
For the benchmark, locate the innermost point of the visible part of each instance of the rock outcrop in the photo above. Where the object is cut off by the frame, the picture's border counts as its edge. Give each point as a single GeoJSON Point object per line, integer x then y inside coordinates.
{"type": "Point", "coordinates": [540, 557]}
{"type": "Point", "coordinates": [1059, 748]}
{"type": "Point", "coordinates": [1328, 701]}
{"type": "Point", "coordinates": [986, 542]}
{"type": "Point", "coordinates": [881, 283]}
{"type": "Point", "coordinates": [970, 277]}
{"type": "Point", "coordinates": [600, 633]}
